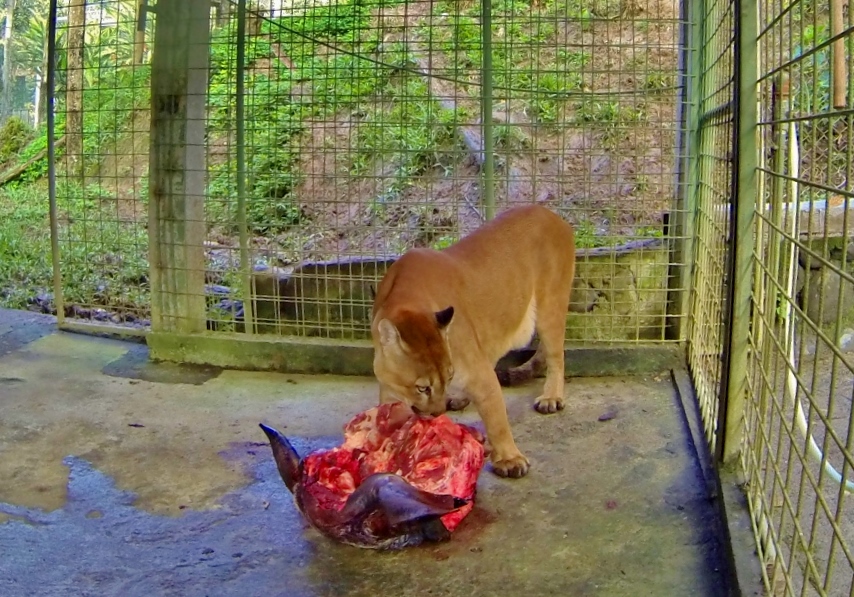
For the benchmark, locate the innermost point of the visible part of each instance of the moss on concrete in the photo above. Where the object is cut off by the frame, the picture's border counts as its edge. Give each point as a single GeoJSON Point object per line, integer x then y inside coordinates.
{"type": "Point", "coordinates": [622, 298]}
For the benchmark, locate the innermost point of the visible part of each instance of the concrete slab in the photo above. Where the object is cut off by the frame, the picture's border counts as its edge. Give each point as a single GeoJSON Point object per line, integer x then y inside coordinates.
{"type": "Point", "coordinates": [120, 477]}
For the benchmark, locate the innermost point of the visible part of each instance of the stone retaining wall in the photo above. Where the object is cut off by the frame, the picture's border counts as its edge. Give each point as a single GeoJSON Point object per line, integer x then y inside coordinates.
{"type": "Point", "coordinates": [817, 279]}
{"type": "Point", "coordinates": [620, 294]}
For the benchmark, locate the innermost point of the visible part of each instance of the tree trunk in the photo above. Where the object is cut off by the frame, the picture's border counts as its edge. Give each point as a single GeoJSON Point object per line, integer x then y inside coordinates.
{"type": "Point", "coordinates": [40, 99]}
{"type": "Point", "coordinates": [139, 32]}
{"type": "Point", "coordinates": [37, 102]}
{"type": "Point", "coordinates": [74, 90]}
{"type": "Point", "coordinates": [6, 103]}
{"type": "Point", "coordinates": [222, 12]}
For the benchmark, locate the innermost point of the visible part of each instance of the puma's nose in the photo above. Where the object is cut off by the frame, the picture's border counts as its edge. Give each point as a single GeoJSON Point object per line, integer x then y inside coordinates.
{"type": "Point", "coordinates": [424, 413]}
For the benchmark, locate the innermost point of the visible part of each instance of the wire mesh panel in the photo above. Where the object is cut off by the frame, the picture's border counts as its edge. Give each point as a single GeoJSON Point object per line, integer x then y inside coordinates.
{"type": "Point", "coordinates": [100, 139]}
{"type": "Point", "coordinates": [363, 137]}
{"type": "Point", "coordinates": [797, 452]}
{"type": "Point", "coordinates": [340, 133]}
{"type": "Point", "coordinates": [712, 199]}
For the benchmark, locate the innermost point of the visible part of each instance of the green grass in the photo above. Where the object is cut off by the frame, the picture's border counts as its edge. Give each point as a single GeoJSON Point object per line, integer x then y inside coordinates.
{"type": "Point", "coordinates": [658, 81]}
{"type": "Point", "coordinates": [542, 80]}
{"type": "Point", "coordinates": [104, 262]}
{"type": "Point", "coordinates": [276, 121]}
{"type": "Point", "coordinates": [408, 134]}
{"type": "Point", "coordinates": [108, 111]}
{"type": "Point", "coordinates": [24, 246]}
{"type": "Point", "coordinates": [607, 113]}
{"type": "Point", "coordinates": [587, 238]}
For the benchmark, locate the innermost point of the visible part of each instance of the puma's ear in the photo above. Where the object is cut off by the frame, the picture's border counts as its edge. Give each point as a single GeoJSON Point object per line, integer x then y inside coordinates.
{"type": "Point", "coordinates": [389, 336]}
{"type": "Point", "coordinates": [443, 318]}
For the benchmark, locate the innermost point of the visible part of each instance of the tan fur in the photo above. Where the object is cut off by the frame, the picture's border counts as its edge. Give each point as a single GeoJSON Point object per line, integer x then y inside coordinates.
{"type": "Point", "coordinates": [443, 319]}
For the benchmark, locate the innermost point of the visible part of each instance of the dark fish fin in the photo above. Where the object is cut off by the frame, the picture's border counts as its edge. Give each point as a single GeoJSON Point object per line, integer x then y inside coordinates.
{"type": "Point", "coordinates": [287, 459]}
{"type": "Point", "coordinates": [398, 500]}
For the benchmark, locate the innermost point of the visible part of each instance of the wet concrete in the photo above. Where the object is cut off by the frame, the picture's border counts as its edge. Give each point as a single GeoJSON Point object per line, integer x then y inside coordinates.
{"type": "Point", "coordinates": [122, 477]}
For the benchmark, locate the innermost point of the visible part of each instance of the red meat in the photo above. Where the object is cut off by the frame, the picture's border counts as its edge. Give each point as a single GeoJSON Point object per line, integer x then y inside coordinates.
{"type": "Point", "coordinates": [432, 453]}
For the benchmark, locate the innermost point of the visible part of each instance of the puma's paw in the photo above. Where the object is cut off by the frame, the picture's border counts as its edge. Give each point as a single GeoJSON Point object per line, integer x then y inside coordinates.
{"type": "Point", "coordinates": [458, 403]}
{"type": "Point", "coordinates": [548, 405]}
{"type": "Point", "coordinates": [514, 466]}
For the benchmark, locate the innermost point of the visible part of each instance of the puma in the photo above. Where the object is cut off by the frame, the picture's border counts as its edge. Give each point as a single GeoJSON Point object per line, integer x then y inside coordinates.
{"type": "Point", "coordinates": [442, 319]}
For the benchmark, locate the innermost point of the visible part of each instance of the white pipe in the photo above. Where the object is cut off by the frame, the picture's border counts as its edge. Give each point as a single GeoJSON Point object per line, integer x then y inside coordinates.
{"type": "Point", "coordinates": [788, 329]}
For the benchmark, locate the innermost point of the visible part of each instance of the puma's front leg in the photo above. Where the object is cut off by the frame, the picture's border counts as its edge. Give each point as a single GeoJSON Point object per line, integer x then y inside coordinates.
{"type": "Point", "coordinates": [507, 460]}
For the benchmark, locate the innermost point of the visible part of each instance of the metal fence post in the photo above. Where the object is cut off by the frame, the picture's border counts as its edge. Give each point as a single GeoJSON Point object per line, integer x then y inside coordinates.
{"type": "Point", "coordinates": [58, 300]}
{"type": "Point", "coordinates": [488, 176]}
{"type": "Point", "coordinates": [688, 144]}
{"type": "Point", "coordinates": [240, 117]}
{"type": "Point", "coordinates": [179, 81]}
{"type": "Point", "coordinates": [743, 206]}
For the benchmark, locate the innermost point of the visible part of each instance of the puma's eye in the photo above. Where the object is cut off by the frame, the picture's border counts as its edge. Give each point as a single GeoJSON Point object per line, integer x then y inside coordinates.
{"type": "Point", "coordinates": [426, 390]}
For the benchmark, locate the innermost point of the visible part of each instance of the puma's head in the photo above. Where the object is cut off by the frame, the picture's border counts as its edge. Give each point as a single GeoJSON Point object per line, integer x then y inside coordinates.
{"type": "Point", "coordinates": [412, 360]}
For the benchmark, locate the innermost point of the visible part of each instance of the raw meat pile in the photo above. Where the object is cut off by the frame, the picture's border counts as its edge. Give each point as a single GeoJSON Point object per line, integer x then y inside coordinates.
{"type": "Point", "coordinates": [434, 455]}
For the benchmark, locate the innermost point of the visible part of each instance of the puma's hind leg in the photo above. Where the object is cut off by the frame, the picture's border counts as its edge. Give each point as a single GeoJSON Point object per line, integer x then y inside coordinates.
{"type": "Point", "coordinates": [551, 327]}
{"type": "Point", "coordinates": [533, 367]}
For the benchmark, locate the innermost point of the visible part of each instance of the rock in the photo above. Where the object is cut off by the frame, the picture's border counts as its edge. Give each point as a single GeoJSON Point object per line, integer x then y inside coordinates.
{"type": "Point", "coordinates": [630, 295]}
{"type": "Point", "coordinates": [42, 303]}
{"type": "Point", "coordinates": [806, 260]}
{"type": "Point", "coordinates": [801, 280]}
{"type": "Point", "coordinates": [329, 298]}
{"type": "Point", "coordinates": [217, 289]}
{"type": "Point", "coordinates": [583, 297]}
{"type": "Point", "coordinates": [826, 282]}
{"type": "Point", "coordinates": [846, 340]}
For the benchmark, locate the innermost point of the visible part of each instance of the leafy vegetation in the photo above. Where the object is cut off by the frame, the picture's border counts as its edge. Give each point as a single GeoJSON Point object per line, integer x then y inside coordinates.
{"type": "Point", "coordinates": [14, 136]}
{"type": "Point", "coordinates": [24, 246]}
{"type": "Point", "coordinates": [345, 62]}
{"type": "Point", "coordinates": [408, 127]}
{"type": "Point", "coordinates": [541, 78]}
{"type": "Point", "coordinates": [102, 264]}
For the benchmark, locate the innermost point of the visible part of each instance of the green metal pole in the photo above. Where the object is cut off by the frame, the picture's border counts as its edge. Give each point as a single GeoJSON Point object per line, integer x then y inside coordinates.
{"type": "Point", "coordinates": [734, 392]}
{"type": "Point", "coordinates": [58, 301]}
{"type": "Point", "coordinates": [245, 265]}
{"type": "Point", "coordinates": [691, 65]}
{"type": "Point", "coordinates": [486, 111]}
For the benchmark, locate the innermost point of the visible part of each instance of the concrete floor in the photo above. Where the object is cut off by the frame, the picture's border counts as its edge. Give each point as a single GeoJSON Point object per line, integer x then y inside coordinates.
{"type": "Point", "coordinates": [121, 477]}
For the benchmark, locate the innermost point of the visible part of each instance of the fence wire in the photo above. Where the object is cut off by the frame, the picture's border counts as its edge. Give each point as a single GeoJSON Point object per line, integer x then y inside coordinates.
{"type": "Point", "coordinates": [797, 452]}
{"type": "Point", "coordinates": [375, 145]}
{"type": "Point", "coordinates": [100, 137]}
{"type": "Point", "coordinates": [796, 446]}
{"type": "Point", "coordinates": [357, 134]}
{"type": "Point", "coordinates": [711, 199]}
